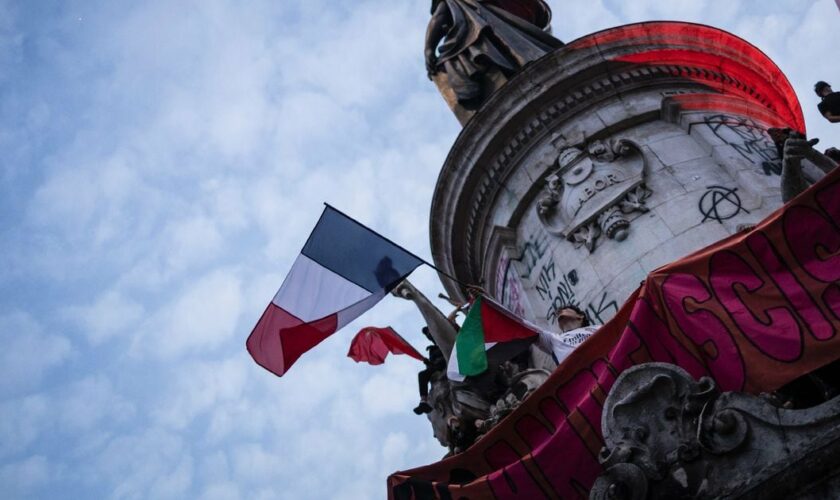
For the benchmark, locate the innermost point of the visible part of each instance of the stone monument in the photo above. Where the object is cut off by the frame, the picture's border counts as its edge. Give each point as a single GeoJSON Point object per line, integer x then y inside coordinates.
{"type": "Point", "coordinates": [606, 159]}
{"type": "Point", "coordinates": [582, 168]}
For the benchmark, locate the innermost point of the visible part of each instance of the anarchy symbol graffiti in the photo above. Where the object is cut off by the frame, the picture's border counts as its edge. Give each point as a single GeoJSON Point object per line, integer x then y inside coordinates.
{"type": "Point", "coordinates": [721, 203]}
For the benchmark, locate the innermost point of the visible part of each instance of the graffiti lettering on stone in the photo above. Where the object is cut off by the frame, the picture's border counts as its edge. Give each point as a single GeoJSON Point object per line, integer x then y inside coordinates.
{"type": "Point", "coordinates": [545, 279]}
{"type": "Point", "coordinates": [508, 286]}
{"type": "Point", "coordinates": [772, 167]}
{"type": "Point", "coordinates": [720, 203]}
{"type": "Point", "coordinates": [533, 250]}
{"type": "Point", "coordinates": [604, 310]}
{"type": "Point", "coordinates": [749, 139]}
{"type": "Point", "coordinates": [561, 294]}
{"type": "Point", "coordinates": [509, 289]}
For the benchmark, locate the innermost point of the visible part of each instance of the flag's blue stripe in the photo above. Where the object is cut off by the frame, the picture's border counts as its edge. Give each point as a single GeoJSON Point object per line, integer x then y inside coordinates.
{"type": "Point", "coordinates": [356, 253]}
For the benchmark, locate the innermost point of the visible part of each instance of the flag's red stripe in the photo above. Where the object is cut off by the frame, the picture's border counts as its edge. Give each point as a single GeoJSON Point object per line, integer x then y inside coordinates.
{"type": "Point", "coordinates": [498, 327]}
{"type": "Point", "coordinates": [280, 338]}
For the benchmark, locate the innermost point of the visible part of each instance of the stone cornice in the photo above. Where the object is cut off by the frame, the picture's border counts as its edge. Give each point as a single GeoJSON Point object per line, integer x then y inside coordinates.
{"type": "Point", "coordinates": [534, 104]}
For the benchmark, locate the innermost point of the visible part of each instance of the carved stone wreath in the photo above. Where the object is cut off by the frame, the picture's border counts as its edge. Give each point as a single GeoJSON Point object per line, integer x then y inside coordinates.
{"type": "Point", "coordinates": [591, 193]}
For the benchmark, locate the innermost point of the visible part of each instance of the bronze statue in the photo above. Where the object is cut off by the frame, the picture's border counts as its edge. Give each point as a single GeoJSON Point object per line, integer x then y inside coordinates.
{"type": "Point", "coordinates": [483, 40]}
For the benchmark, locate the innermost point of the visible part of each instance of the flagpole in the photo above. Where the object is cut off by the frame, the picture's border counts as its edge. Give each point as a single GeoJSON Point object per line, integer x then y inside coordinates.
{"type": "Point", "coordinates": [421, 259]}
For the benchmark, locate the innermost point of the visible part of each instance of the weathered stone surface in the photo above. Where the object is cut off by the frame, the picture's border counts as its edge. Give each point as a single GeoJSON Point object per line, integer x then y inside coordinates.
{"type": "Point", "coordinates": [678, 149]}
{"type": "Point", "coordinates": [705, 173]}
{"type": "Point", "coordinates": [668, 436]}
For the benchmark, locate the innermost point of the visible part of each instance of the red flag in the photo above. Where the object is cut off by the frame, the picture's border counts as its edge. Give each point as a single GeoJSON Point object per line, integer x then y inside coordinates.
{"type": "Point", "coordinates": [372, 344]}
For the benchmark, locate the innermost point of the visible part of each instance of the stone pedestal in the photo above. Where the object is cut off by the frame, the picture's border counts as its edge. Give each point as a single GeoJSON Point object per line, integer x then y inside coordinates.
{"type": "Point", "coordinates": [621, 152]}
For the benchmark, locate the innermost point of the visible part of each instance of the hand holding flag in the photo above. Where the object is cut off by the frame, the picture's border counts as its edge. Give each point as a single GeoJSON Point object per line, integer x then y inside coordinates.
{"type": "Point", "coordinates": [489, 331]}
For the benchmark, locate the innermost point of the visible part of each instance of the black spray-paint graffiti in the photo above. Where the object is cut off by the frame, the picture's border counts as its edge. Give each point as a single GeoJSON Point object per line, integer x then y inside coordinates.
{"type": "Point", "coordinates": [598, 314]}
{"type": "Point", "coordinates": [552, 286]}
{"type": "Point", "coordinates": [545, 279]}
{"type": "Point", "coordinates": [532, 251]}
{"type": "Point", "coordinates": [562, 294]}
{"type": "Point", "coordinates": [749, 139]}
{"type": "Point", "coordinates": [720, 203]}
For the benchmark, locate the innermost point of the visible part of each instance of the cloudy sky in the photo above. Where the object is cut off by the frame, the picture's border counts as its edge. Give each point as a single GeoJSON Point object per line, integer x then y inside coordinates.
{"type": "Point", "coordinates": [162, 164]}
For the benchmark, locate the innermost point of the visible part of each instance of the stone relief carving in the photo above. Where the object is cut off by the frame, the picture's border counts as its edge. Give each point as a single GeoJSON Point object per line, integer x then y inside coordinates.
{"type": "Point", "coordinates": [461, 412]}
{"type": "Point", "coordinates": [464, 411]}
{"type": "Point", "coordinates": [520, 385]}
{"type": "Point", "coordinates": [669, 436]}
{"type": "Point", "coordinates": [591, 193]}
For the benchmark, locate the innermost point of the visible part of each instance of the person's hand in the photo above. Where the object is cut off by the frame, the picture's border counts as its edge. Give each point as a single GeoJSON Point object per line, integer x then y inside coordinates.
{"type": "Point", "coordinates": [797, 147]}
{"type": "Point", "coordinates": [431, 63]}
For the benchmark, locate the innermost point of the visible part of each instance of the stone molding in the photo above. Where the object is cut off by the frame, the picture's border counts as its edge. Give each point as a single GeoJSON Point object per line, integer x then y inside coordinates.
{"type": "Point", "coordinates": [527, 112]}
{"type": "Point", "coordinates": [669, 436]}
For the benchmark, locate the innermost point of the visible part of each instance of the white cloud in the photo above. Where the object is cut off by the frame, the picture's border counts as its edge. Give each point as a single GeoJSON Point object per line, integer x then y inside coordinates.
{"type": "Point", "coordinates": [88, 403]}
{"type": "Point", "coordinates": [395, 447]}
{"type": "Point", "coordinates": [202, 317]}
{"type": "Point", "coordinates": [19, 478]}
{"type": "Point", "coordinates": [22, 421]}
{"type": "Point", "coordinates": [391, 392]}
{"type": "Point", "coordinates": [174, 483]}
{"type": "Point", "coordinates": [221, 491]}
{"type": "Point", "coordinates": [150, 462]}
{"type": "Point", "coordinates": [109, 315]}
{"type": "Point", "coordinates": [184, 244]}
{"type": "Point", "coordinates": [200, 387]}
{"type": "Point", "coordinates": [28, 353]}
{"type": "Point", "coordinates": [253, 464]}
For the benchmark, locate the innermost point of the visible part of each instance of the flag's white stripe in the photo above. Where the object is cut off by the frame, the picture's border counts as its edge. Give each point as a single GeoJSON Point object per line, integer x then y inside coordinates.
{"type": "Point", "coordinates": [311, 291]}
{"type": "Point", "coordinates": [452, 370]}
{"type": "Point", "coordinates": [356, 310]}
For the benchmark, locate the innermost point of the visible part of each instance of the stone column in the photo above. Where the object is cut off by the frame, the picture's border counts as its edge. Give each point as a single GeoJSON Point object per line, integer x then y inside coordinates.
{"type": "Point", "coordinates": [618, 153]}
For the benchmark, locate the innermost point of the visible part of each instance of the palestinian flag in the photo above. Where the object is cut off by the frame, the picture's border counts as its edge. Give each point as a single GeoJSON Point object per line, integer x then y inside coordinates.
{"type": "Point", "coordinates": [489, 331]}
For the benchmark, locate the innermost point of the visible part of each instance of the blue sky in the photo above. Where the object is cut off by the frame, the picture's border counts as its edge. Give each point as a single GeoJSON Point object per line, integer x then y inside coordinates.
{"type": "Point", "coordinates": [164, 161]}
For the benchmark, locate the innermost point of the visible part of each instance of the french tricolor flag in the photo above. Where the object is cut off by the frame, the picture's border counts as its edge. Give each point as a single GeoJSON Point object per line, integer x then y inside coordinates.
{"type": "Point", "coordinates": [343, 270]}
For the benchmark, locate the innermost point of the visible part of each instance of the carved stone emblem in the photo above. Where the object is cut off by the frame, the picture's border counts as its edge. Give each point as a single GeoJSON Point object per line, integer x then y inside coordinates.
{"type": "Point", "coordinates": [591, 193]}
{"type": "Point", "coordinates": [668, 436]}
